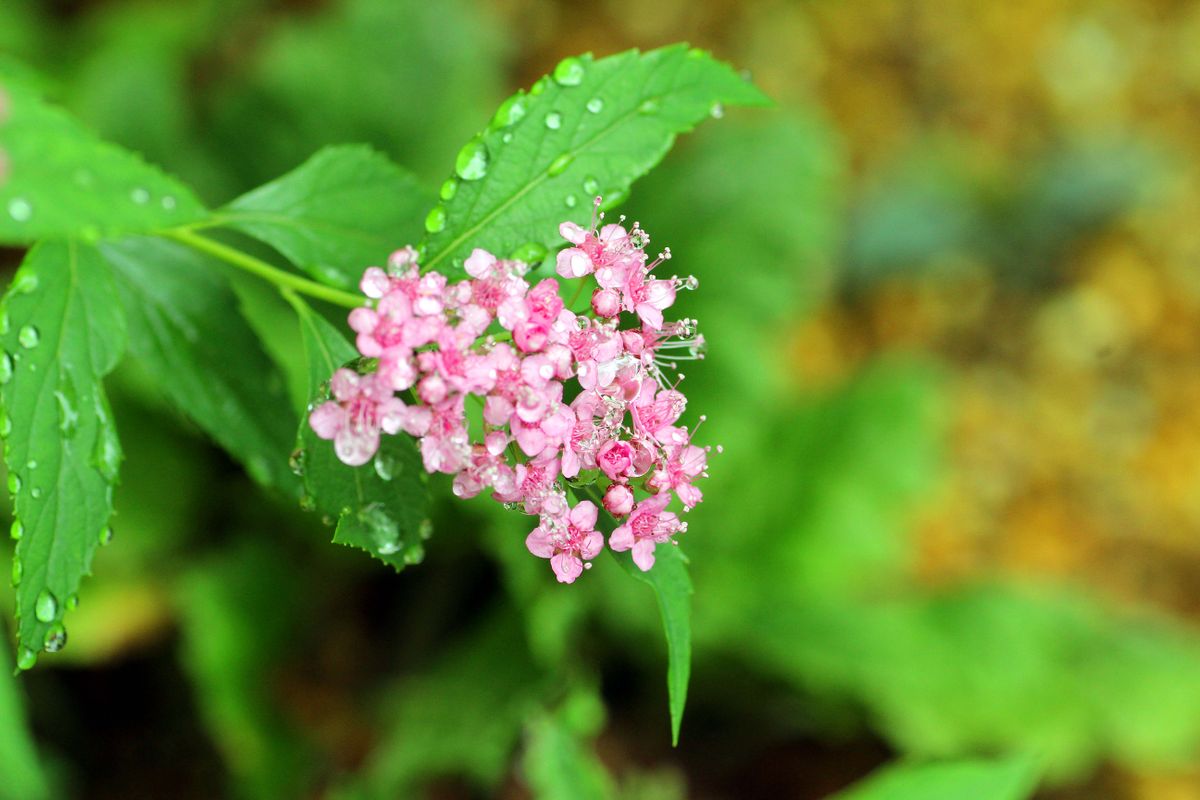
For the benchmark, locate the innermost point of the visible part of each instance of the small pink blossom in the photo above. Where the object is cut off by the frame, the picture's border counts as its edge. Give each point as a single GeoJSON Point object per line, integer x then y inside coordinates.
{"type": "Point", "coordinates": [567, 542]}
{"type": "Point", "coordinates": [648, 526]}
{"type": "Point", "coordinates": [361, 408]}
{"type": "Point", "coordinates": [618, 500]}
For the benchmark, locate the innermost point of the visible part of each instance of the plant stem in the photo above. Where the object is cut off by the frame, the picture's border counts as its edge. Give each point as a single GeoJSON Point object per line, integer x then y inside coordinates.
{"type": "Point", "coordinates": [264, 270]}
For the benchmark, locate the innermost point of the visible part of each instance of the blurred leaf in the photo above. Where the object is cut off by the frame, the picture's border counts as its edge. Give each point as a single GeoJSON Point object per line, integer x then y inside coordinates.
{"type": "Point", "coordinates": [19, 763]}
{"type": "Point", "coordinates": [237, 614]}
{"type": "Point", "coordinates": [594, 129]}
{"type": "Point", "coordinates": [381, 507]}
{"type": "Point", "coordinates": [64, 181]}
{"type": "Point", "coordinates": [184, 324]}
{"type": "Point", "coordinates": [559, 762]}
{"type": "Point", "coordinates": [344, 209]}
{"type": "Point", "coordinates": [492, 687]}
{"type": "Point", "coordinates": [63, 332]}
{"type": "Point", "coordinates": [978, 779]}
{"type": "Point", "coordinates": [673, 592]}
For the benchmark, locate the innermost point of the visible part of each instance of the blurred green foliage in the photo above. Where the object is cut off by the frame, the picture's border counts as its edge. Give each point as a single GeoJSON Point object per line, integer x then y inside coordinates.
{"type": "Point", "coordinates": [315, 675]}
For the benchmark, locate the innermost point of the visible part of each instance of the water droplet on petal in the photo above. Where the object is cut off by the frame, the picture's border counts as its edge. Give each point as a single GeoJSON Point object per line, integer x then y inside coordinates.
{"type": "Point", "coordinates": [56, 638]}
{"type": "Point", "coordinates": [569, 72]}
{"type": "Point", "coordinates": [17, 530]}
{"type": "Point", "coordinates": [29, 337]}
{"type": "Point", "coordinates": [20, 209]}
{"type": "Point", "coordinates": [106, 534]}
{"type": "Point", "coordinates": [26, 659]}
{"type": "Point", "coordinates": [435, 221]}
{"type": "Point", "coordinates": [510, 112]}
{"type": "Point", "coordinates": [45, 608]}
{"type": "Point", "coordinates": [570, 201]}
{"type": "Point", "coordinates": [595, 105]}
{"type": "Point", "coordinates": [140, 196]}
{"type": "Point", "coordinates": [560, 164]}
{"type": "Point", "coordinates": [529, 253]}
{"type": "Point", "coordinates": [554, 120]}
{"type": "Point", "coordinates": [6, 368]}
{"type": "Point", "coordinates": [449, 189]}
{"type": "Point", "coordinates": [591, 185]}
{"type": "Point", "coordinates": [471, 163]}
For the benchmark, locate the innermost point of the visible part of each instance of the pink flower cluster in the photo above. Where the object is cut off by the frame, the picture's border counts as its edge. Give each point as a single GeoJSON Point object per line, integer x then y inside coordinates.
{"type": "Point", "coordinates": [561, 396]}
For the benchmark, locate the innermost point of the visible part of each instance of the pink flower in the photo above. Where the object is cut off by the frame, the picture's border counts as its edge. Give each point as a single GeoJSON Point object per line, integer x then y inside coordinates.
{"type": "Point", "coordinates": [647, 298]}
{"type": "Point", "coordinates": [615, 458]}
{"type": "Point", "coordinates": [361, 408]}
{"type": "Point", "coordinates": [618, 500]}
{"type": "Point", "coordinates": [382, 328]}
{"type": "Point", "coordinates": [648, 526]}
{"type": "Point", "coordinates": [654, 412]}
{"type": "Point", "coordinates": [567, 542]}
{"type": "Point", "coordinates": [684, 463]}
{"type": "Point", "coordinates": [606, 303]}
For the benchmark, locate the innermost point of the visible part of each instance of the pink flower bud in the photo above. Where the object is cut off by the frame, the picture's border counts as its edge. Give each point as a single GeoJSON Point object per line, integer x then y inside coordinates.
{"type": "Point", "coordinates": [618, 500]}
{"type": "Point", "coordinates": [606, 302]}
{"type": "Point", "coordinates": [614, 458]}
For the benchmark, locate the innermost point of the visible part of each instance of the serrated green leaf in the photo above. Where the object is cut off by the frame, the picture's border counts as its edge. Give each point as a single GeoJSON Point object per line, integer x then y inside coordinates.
{"type": "Point", "coordinates": [603, 126]}
{"type": "Point", "coordinates": [341, 211]}
{"type": "Point", "coordinates": [673, 590]}
{"type": "Point", "coordinates": [185, 326]}
{"type": "Point", "coordinates": [381, 507]}
{"type": "Point", "coordinates": [64, 181]}
{"type": "Point", "coordinates": [63, 332]}
{"type": "Point", "coordinates": [1013, 778]}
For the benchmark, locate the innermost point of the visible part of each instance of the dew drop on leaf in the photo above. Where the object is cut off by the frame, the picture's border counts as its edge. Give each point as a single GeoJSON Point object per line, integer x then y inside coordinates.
{"type": "Point", "coordinates": [29, 337]}
{"type": "Point", "coordinates": [45, 608]}
{"type": "Point", "coordinates": [35, 493]}
{"type": "Point", "coordinates": [435, 221]}
{"type": "Point", "coordinates": [14, 484]}
{"type": "Point", "coordinates": [385, 467]}
{"type": "Point", "coordinates": [25, 282]}
{"type": "Point", "coordinates": [529, 253]}
{"type": "Point", "coordinates": [560, 164]}
{"type": "Point", "coordinates": [168, 202]}
{"type": "Point", "coordinates": [569, 72]}
{"type": "Point", "coordinates": [5, 424]}
{"type": "Point", "coordinates": [296, 461]}
{"type": "Point", "coordinates": [140, 196]}
{"type": "Point", "coordinates": [648, 106]}
{"type": "Point", "coordinates": [539, 86]}
{"type": "Point", "coordinates": [307, 502]}
{"type": "Point", "coordinates": [17, 571]}
{"type": "Point", "coordinates": [4, 322]}
{"type": "Point", "coordinates": [510, 112]}
{"type": "Point", "coordinates": [717, 111]}
{"type": "Point", "coordinates": [17, 530]}
{"type": "Point", "coordinates": [506, 138]}
{"type": "Point", "coordinates": [20, 209]}
{"type": "Point", "coordinates": [6, 368]}
{"type": "Point", "coordinates": [595, 105]}
{"type": "Point", "coordinates": [56, 638]}
{"type": "Point", "coordinates": [26, 658]}
{"type": "Point", "coordinates": [106, 534]}
{"type": "Point", "coordinates": [106, 456]}
{"type": "Point", "coordinates": [68, 414]}
{"type": "Point", "coordinates": [554, 120]}
{"type": "Point", "coordinates": [425, 529]}
{"type": "Point", "coordinates": [449, 189]}
{"type": "Point", "coordinates": [72, 602]}
{"type": "Point", "coordinates": [570, 201]}
{"type": "Point", "coordinates": [471, 164]}
{"type": "Point", "coordinates": [591, 185]}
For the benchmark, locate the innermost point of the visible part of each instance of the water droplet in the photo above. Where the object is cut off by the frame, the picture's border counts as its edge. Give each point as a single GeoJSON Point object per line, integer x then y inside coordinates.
{"type": "Point", "coordinates": [326, 273]}
{"type": "Point", "coordinates": [510, 112]}
{"type": "Point", "coordinates": [18, 571]}
{"type": "Point", "coordinates": [449, 189]}
{"type": "Point", "coordinates": [717, 111]}
{"type": "Point", "coordinates": [506, 138]}
{"type": "Point", "coordinates": [296, 461]}
{"type": "Point", "coordinates": [697, 52]}
{"type": "Point", "coordinates": [25, 282]}
{"type": "Point", "coordinates": [559, 165]}
{"type": "Point", "coordinates": [569, 72]}
{"type": "Point", "coordinates": [570, 201]}
{"type": "Point", "coordinates": [472, 161]}
{"type": "Point", "coordinates": [168, 202]}
{"type": "Point", "coordinates": [6, 368]}
{"type": "Point", "coordinates": [554, 120]}
{"type": "Point", "coordinates": [31, 464]}
{"type": "Point", "coordinates": [425, 529]}
{"type": "Point", "coordinates": [20, 209]}
{"type": "Point", "coordinates": [435, 222]}
{"type": "Point", "coordinates": [591, 185]}
{"type": "Point", "coordinates": [106, 534]}
{"type": "Point", "coordinates": [385, 467]}
{"type": "Point", "coordinates": [595, 105]}
{"type": "Point", "coordinates": [68, 415]}
{"type": "Point", "coordinates": [84, 178]}
{"type": "Point", "coordinates": [72, 602]}
{"type": "Point", "coordinates": [26, 659]}
{"type": "Point", "coordinates": [614, 198]}
{"type": "Point", "coordinates": [14, 484]}
{"type": "Point", "coordinates": [530, 253]}
{"type": "Point", "coordinates": [648, 106]}
{"type": "Point", "coordinates": [4, 321]}
{"type": "Point", "coordinates": [56, 638]}
{"type": "Point", "coordinates": [45, 608]}
{"type": "Point", "coordinates": [539, 86]}
{"type": "Point", "coordinates": [17, 530]}
{"type": "Point", "coordinates": [106, 455]}
{"type": "Point", "coordinates": [140, 196]}
{"type": "Point", "coordinates": [29, 337]}
{"type": "Point", "coordinates": [307, 502]}
{"type": "Point", "coordinates": [415, 555]}
{"type": "Point", "coordinates": [5, 424]}
{"type": "Point", "coordinates": [35, 493]}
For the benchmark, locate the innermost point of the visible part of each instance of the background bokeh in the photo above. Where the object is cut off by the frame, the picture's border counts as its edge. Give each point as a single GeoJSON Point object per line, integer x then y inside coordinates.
{"type": "Point", "coordinates": [951, 285]}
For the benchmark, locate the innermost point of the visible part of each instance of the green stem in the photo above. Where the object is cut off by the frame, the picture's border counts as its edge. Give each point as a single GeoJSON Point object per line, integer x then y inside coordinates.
{"type": "Point", "coordinates": [264, 270]}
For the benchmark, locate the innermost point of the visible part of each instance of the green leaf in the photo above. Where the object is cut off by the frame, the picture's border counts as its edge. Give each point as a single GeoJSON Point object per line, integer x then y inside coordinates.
{"type": "Point", "coordinates": [24, 778]}
{"type": "Point", "coordinates": [185, 326]}
{"type": "Point", "coordinates": [345, 208]}
{"type": "Point", "coordinates": [1013, 778]}
{"type": "Point", "coordinates": [381, 507]}
{"type": "Point", "coordinates": [594, 129]}
{"type": "Point", "coordinates": [673, 590]}
{"type": "Point", "coordinates": [64, 181]}
{"type": "Point", "coordinates": [560, 761]}
{"type": "Point", "coordinates": [63, 331]}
